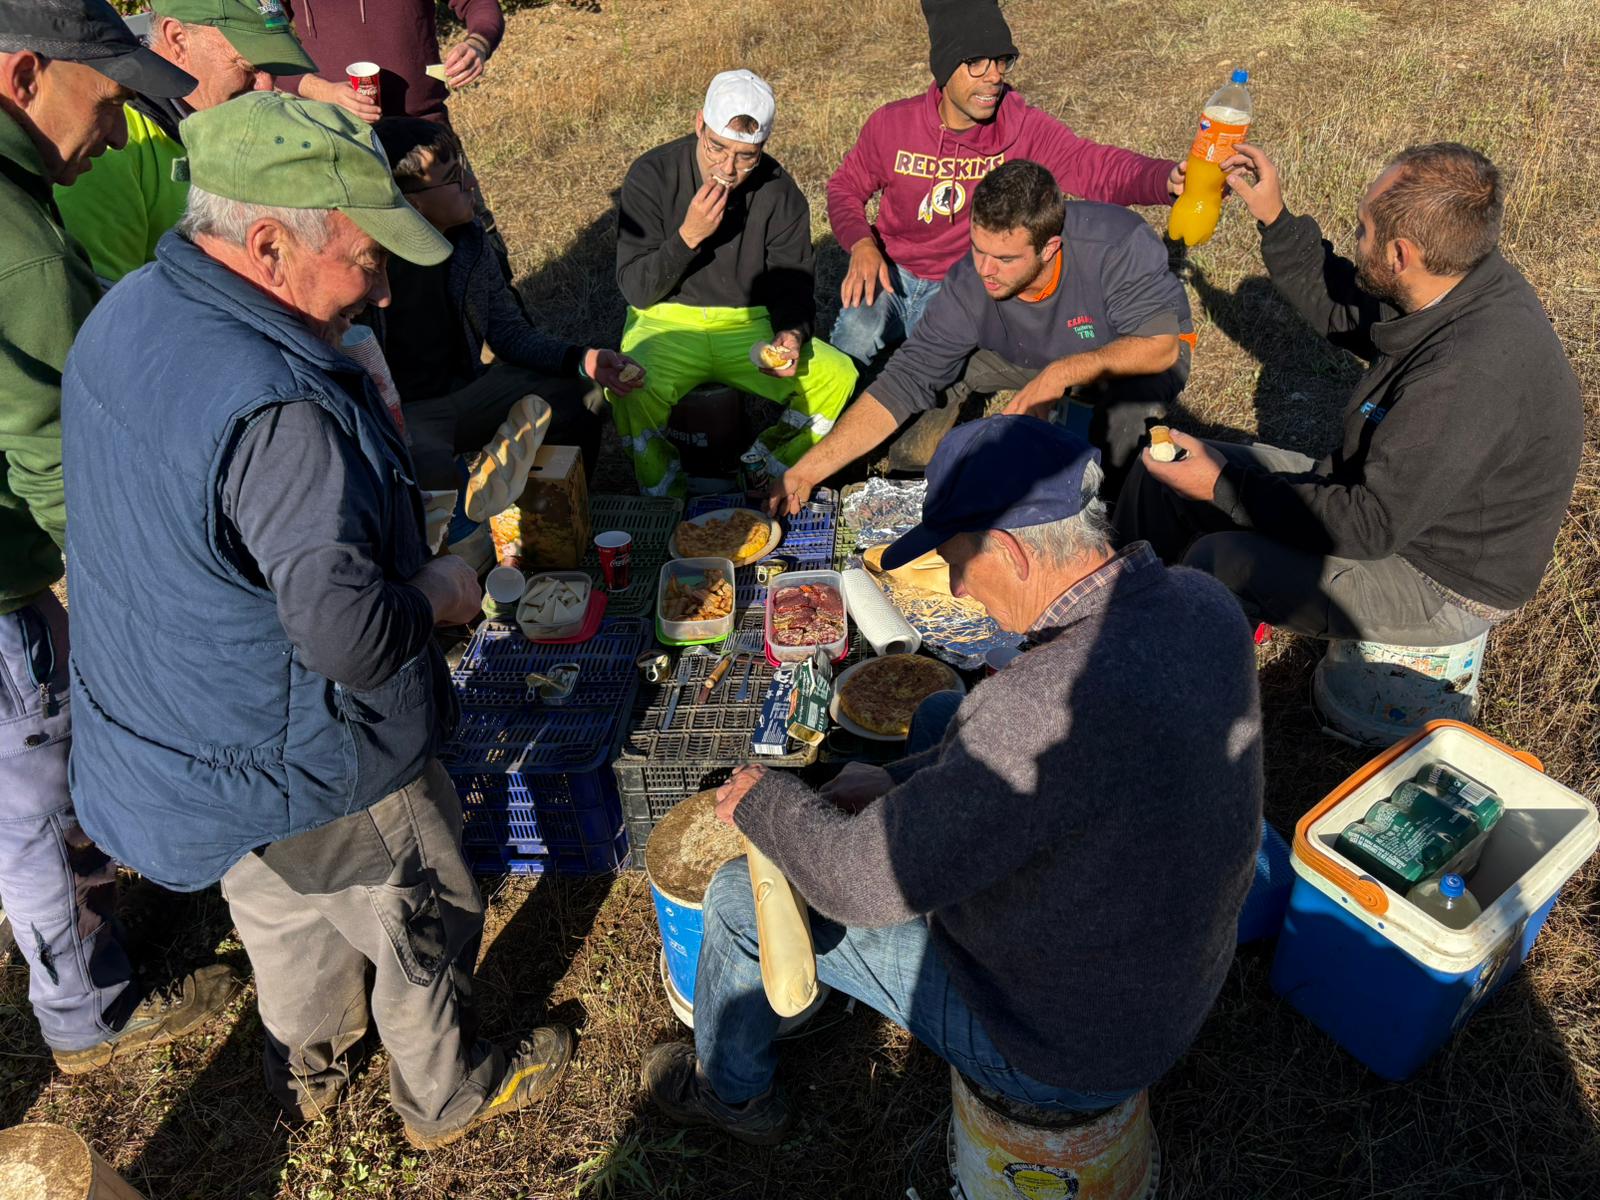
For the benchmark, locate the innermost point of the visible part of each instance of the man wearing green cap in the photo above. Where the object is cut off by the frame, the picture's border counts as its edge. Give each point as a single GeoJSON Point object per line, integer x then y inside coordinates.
{"type": "Point", "coordinates": [263, 700]}
{"type": "Point", "coordinates": [230, 47]}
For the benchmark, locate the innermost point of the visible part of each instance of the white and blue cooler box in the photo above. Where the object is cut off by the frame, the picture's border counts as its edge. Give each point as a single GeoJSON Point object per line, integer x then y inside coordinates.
{"type": "Point", "coordinates": [1380, 976]}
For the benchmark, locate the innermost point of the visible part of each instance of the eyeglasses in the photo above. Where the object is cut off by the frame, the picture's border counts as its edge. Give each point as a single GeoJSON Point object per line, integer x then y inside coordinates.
{"type": "Point", "coordinates": [745, 160]}
{"type": "Point", "coordinates": [454, 177]}
{"type": "Point", "coordinates": [979, 67]}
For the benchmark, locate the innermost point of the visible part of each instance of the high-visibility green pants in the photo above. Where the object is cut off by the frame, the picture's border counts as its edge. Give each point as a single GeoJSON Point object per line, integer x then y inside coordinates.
{"type": "Point", "coordinates": [681, 347]}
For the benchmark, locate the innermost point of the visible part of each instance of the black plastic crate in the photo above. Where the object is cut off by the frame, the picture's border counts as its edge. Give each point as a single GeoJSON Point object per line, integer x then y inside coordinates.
{"type": "Point", "coordinates": [651, 520]}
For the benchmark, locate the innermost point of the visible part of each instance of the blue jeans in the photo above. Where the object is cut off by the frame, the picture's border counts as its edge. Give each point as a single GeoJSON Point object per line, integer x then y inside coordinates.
{"type": "Point", "coordinates": [895, 970]}
{"type": "Point", "coordinates": [862, 332]}
{"type": "Point", "coordinates": [59, 889]}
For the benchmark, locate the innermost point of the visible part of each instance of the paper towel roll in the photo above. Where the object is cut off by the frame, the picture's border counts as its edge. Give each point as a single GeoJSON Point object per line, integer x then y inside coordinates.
{"type": "Point", "coordinates": [880, 622]}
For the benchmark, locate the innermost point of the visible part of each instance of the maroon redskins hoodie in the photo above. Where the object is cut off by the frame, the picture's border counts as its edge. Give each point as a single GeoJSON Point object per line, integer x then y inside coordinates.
{"type": "Point", "coordinates": [927, 173]}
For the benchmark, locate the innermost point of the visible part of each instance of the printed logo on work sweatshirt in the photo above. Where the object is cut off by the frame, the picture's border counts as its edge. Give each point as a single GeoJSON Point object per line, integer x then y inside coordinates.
{"type": "Point", "coordinates": [1373, 412]}
{"type": "Point", "coordinates": [1083, 327]}
{"type": "Point", "coordinates": [946, 199]}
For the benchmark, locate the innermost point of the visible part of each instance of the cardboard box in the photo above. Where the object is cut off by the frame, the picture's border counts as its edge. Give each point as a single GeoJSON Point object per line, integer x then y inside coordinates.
{"type": "Point", "coordinates": [772, 732]}
{"type": "Point", "coordinates": [813, 688]}
{"type": "Point", "coordinates": [548, 526]}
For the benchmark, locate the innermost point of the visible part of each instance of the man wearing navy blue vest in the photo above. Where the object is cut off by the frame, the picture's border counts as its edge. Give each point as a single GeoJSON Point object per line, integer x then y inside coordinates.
{"type": "Point", "coordinates": [259, 695]}
{"type": "Point", "coordinates": [1058, 301]}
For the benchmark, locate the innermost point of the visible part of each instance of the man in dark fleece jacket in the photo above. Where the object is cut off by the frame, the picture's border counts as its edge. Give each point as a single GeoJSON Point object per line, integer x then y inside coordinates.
{"type": "Point", "coordinates": [1038, 898]}
{"type": "Point", "coordinates": [1436, 516]}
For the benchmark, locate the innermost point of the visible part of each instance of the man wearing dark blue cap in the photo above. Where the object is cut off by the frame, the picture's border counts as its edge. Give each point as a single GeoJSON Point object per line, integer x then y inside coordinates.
{"type": "Point", "coordinates": [1047, 894]}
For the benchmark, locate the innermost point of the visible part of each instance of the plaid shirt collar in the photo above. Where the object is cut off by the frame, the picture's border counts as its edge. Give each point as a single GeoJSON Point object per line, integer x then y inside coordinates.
{"type": "Point", "coordinates": [1068, 607]}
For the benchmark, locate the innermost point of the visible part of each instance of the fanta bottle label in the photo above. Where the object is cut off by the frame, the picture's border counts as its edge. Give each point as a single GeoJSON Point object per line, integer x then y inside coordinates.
{"type": "Point", "coordinates": [1221, 129]}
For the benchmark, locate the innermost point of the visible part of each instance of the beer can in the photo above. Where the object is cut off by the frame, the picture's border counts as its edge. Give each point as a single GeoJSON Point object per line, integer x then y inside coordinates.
{"type": "Point", "coordinates": [753, 471]}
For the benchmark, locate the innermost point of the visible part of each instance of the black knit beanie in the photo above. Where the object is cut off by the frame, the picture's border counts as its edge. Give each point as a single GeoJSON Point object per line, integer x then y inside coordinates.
{"type": "Point", "coordinates": [962, 29]}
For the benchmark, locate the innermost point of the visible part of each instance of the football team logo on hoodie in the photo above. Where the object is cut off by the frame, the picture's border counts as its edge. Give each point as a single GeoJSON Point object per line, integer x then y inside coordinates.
{"type": "Point", "coordinates": [946, 198]}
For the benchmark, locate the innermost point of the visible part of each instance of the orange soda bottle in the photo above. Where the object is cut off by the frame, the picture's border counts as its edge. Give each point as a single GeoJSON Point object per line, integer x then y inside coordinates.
{"type": "Point", "coordinates": [1223, 124]}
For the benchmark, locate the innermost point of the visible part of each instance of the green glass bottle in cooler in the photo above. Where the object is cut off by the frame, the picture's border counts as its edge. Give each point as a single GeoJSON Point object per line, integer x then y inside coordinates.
{"type": "Point", "coordinates": [1426, 823]}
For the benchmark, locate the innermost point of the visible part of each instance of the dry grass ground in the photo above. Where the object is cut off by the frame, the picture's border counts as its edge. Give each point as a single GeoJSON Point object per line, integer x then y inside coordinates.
{"type": "Point", "coordinates": [1263, 1104]}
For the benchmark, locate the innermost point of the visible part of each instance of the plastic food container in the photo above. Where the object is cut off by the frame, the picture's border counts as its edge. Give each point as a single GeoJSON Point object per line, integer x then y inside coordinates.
{"type": "Point", "coordinates": [580, 582]}
{"type": "Point", "coordinates": [689, 633]}
{"type": "Point", "coordinates": [835, 650]}
{"type": "Point", "coordinates": [563, 679]}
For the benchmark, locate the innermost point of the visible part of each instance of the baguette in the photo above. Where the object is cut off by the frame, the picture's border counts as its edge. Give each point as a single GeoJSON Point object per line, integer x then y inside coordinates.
{"type": "Point", "coordinates": [507, 459]}
{"type": "Point", "coordinates": [783, 930]}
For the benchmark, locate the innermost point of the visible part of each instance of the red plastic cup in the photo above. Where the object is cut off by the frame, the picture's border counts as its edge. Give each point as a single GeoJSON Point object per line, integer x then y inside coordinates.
{"type": "Point", "coordinates": [364, 79]}
{"type": "Point", "coordinates": [616, 558]}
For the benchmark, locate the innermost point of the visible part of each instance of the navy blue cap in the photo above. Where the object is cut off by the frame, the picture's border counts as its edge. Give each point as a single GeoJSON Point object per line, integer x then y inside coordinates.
{"type": "Point", "coordinates": [997, 473]}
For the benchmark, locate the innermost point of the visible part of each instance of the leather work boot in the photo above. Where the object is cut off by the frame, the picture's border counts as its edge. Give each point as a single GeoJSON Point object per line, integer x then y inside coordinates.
{"type": "Point", "coordinates": [163, 1017]}
{"type": "Point", "coordinates": [914, 448]}
{"type": "Point", "coordinates": [673, 1079]}
{"type": "Point", "coordinates": [531, 1074]}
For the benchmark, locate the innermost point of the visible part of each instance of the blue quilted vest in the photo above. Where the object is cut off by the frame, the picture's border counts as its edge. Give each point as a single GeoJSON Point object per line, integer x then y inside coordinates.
{"type": "Point", "coordinates": [198, 733]}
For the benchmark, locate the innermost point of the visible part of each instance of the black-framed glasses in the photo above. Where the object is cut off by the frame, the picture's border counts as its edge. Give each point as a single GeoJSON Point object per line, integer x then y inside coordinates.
{"type": "Point", "coordinates": [456, 176]}
{"type": "Point", "coordinates": [745, 160]}
{"type": "Point", "coordinates": [979, 67]}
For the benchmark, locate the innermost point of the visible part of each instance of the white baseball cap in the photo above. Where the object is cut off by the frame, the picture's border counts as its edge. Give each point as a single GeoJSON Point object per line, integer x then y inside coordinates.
{"type": "Point", "coordinates": [740, 94]}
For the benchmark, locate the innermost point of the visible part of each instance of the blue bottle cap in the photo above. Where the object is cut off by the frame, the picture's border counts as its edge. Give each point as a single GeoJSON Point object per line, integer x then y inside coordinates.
{"type": "Point", "coordinates": [1452, 885]}
{"type": "Point", "coordinates": [1241, 76]}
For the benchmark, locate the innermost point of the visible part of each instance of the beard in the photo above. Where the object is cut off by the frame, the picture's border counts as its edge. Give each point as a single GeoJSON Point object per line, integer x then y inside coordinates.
{"type": "Point", "coordinates": [1376, 276]}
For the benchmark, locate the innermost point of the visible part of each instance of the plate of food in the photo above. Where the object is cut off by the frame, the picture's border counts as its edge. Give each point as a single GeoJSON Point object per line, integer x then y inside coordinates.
{"type": "Point", "coordinates": [740, 535]}
{"type": "Point", "coordinates": [876, 699]}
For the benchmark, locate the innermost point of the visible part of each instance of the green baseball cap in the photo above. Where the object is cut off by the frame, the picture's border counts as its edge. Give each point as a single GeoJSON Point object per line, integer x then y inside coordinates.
{"type": "Point", "coordinates": [274, 149]}
{"type": "Point", "coordinates": [258, 29]}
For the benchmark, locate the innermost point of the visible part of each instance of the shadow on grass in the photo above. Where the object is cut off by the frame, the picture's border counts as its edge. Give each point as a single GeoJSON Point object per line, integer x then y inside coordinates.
{"type": "Point", "coordinates": [1304, 382]}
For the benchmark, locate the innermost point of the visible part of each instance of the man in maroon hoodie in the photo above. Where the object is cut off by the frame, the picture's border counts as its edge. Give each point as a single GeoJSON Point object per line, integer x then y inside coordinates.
{"type": "Point", "coordinates": [402, 38]}
{"type": "Point", "coordinates": [923, 157]}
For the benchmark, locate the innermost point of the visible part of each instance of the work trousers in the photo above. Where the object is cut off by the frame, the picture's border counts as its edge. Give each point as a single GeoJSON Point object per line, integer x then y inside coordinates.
{"type": "Point", "coordinates": [1319, 595]}
{"type": "Point", "coordinates": [896, 970]}
{"type": "Point", "coordinates": [681, 347]}
{"type": "Point", "coordinates": [413, 929]}
{"type": "Point", "coordinates": [867, 330]}
{"type": "Point", "coordinates": [58, 888]}
{"type": "Point", "coordinates": [463, 421]}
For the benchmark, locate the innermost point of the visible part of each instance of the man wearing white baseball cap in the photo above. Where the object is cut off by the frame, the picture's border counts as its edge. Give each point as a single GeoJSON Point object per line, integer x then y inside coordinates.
{"type": "Point", "coordinates": [714, 257]}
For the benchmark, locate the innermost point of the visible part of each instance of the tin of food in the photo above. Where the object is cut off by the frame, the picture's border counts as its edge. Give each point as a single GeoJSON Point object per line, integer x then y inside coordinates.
{"type": "Point", "coordinates": [554, 686]}
{"type": "Point", "coordinates": [654, 665]}
{"type": "Point", "coordinates": [771, 567]}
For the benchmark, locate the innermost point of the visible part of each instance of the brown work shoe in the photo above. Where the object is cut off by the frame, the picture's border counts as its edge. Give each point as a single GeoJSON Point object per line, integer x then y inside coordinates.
{"type": "Point", "coordinates": [531, 1074]}
{"type": "Point", "coordinates": [674, 1081]}
{"type": "Point", "coordinates": [163, 1017]}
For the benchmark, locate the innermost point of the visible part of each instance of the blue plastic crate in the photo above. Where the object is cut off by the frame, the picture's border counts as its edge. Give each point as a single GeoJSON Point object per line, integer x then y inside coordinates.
{"type": "Point", "coordinates": [570, 823]}
{"type": "Point", "coordinates": [807, 538]}
{"type": "Point", "coordinates": [494, 666]}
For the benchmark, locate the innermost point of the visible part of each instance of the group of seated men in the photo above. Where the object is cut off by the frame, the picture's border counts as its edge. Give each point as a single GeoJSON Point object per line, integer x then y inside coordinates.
{"type": "Point", "coordinates": [259, 697]}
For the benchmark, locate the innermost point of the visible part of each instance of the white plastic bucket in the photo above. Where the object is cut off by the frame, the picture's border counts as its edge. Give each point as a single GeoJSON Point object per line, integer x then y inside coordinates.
{"type": "Point", "coordinates": [1374, 693]}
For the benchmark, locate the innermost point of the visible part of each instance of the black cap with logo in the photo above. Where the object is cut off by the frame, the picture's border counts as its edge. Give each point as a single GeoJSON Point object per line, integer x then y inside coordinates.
{"type": "Point", "coordinates": [90, 32]}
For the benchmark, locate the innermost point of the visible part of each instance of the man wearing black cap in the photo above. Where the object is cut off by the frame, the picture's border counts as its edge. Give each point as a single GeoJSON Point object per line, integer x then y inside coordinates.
{"type": "Point", "coordinates": [1022, 893]}
{"type": "Point", "coordinates": [65, 68]}
{"type": "Point", "coordinates": [924, 156]}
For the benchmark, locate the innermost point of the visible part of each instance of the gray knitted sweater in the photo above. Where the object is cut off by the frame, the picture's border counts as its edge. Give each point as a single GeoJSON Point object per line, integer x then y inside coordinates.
{"type": "Point", "coordinates": [1082, 842]}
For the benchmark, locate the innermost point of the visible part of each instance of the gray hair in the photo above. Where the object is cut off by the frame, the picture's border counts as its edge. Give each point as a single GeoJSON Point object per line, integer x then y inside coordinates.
{"type": "Point", "coordinates": [230, 220]}
{"type": "Point", "coordinates": [1088, 532]}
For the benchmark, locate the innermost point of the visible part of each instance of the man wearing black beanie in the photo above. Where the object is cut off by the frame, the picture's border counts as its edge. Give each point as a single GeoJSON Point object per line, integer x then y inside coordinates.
{"type": "Point", "coordinates": [923, 157]}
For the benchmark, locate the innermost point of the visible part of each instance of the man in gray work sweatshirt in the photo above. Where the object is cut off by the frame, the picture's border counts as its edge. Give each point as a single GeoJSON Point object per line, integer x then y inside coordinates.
{"type": "Point", "coordinates": [1047, 897]}
{"type": "Point", "coordinates": [1057, 301]}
